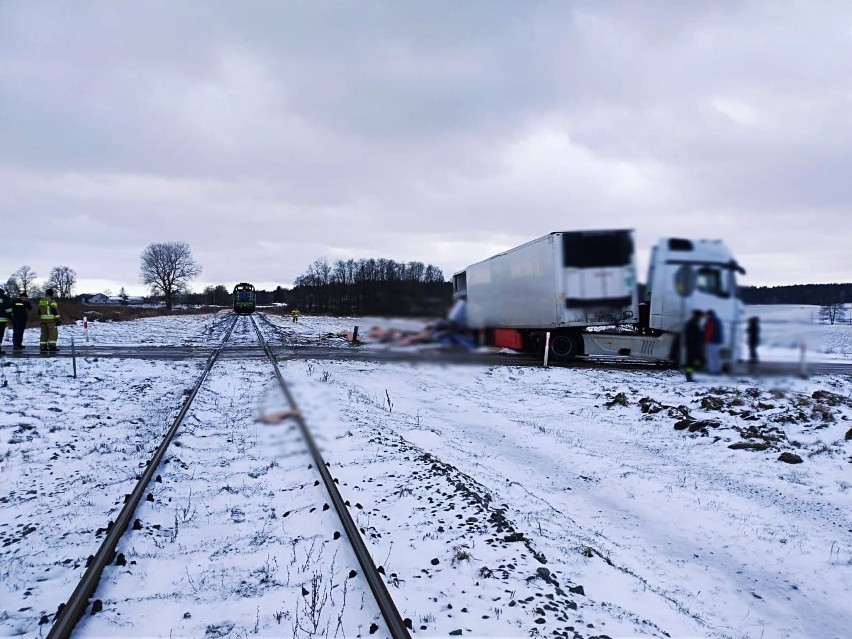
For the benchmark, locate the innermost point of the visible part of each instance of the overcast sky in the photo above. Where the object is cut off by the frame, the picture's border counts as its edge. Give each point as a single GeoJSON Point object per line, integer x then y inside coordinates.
{"type": "Point", "coordinates": [267, 134]}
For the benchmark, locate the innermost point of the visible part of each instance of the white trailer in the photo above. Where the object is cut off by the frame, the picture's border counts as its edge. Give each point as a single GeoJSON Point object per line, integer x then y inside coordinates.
{"type": "Point", "coordinates": [580, 288]}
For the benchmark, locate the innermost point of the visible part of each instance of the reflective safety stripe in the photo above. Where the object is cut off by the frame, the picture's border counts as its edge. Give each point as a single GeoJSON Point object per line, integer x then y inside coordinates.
{"type": "Point", "coordinates": [49, 310]}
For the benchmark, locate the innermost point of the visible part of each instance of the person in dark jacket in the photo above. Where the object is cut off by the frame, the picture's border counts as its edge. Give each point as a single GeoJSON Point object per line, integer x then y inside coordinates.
{"type": "Point", "coordinates": [753, 333]}
{"type": "Point", "coordinates": [20, 312]}
{"type": "Point", "coordinates": [713, 340]}
{"type": "Point", "coordinates": [693, 339]}
{"type": "Point", "coordinates": [5, 314]}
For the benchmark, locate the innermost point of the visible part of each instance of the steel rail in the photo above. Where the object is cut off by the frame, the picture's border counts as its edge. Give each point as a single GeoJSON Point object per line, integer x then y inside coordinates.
{"type": "Point", "coordinates": [69, 614]}
{"type": "Point", "coordinates": [390, 613]}
{"type": "Point", "coordinates": [428, 357]}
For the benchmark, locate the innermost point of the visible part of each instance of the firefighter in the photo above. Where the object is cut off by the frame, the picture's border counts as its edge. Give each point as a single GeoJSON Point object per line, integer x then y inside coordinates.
{"type": "Point", "coordinates": [694, 342]}
{"type": "Point", "coordinates": [5, 314]}
{"type": "Point", "coordinates": [295, 314]}
{"type": "Point", "coordinates": [49, 316]}
{"type": "Point", "coordinates": [20, 312]}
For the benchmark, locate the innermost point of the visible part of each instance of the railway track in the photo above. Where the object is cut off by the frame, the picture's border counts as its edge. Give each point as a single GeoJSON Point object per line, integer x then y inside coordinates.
{"type": "Point", "coordinates": [427, 357]}
{"type": "Point", "coordinates": [83, 597]}
{"type": "Point", "coordinates": [454, 502]}
{"type": "Point", "coordinates": [285, 345]}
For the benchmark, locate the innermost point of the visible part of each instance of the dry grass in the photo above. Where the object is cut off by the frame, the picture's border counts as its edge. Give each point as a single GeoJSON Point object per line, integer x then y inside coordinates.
{"type": "Point", "coordinates": [72, 311]}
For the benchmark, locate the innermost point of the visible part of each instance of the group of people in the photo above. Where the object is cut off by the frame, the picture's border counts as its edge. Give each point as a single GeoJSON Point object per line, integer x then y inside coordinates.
{"type": "Point", "coordinates": [704, 337]}
{"type": "Point", "coordinates": [17, 312]}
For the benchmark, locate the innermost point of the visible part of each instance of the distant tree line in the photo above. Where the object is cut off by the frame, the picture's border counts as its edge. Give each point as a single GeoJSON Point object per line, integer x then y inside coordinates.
{"type": "Point", "coordinates": [346, 287]}
{"type": "Point", "coordinates": [817, 294]}
{"type": "Point", "coordinates": [62, 280]}
{"type": "Point", "coordinates": [220, 295]}
{"type": "Point", "coordinates": [371, 287]}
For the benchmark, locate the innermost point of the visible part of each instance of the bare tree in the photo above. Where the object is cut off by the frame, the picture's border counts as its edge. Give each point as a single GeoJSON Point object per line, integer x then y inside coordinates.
{"type": "Point", "coordinates": [63, 279]}
{"type": "Point", "coordinates": [832, 313]}
{"type": "Point", "coordinates": [167, 269]}
{"type": "Point", "coordinates": [12, 287]}
{"type": "Point", "coordinates": [25, 278]}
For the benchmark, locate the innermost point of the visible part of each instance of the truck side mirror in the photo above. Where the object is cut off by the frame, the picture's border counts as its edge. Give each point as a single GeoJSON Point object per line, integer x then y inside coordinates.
{"type": "Point", "coordinates": [684, 281]}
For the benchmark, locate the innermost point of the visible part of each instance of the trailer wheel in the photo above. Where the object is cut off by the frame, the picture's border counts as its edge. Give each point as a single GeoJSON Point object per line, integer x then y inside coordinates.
{"type": "Point", "coordinates": [565, 346]}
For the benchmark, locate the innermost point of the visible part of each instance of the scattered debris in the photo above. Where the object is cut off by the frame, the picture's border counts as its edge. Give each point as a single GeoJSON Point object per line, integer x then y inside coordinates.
{"type": "Point", "coordinates": [710, 402]}
{"type": "Point", "coordinates": [620, 399]}
{"type": "Point", "coordinates": [749, 446]}
{"type": "Point", "coordinates": [790, 458]}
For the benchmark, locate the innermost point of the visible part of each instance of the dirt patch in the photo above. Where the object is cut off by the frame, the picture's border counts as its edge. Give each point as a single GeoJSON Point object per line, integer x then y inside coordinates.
{"type": "Point", "coordinates": [749, 446]}
{"type": "Point", "coordinates": [760, 417]}
{"type": "Point", "coordinates": [696, 425]}
{"type": "Point", "coordinates": [832, 399]}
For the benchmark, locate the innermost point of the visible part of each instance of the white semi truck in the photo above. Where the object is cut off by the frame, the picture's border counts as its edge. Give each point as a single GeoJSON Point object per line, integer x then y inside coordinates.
{"type": "Point", "coordinates": [580, 287]}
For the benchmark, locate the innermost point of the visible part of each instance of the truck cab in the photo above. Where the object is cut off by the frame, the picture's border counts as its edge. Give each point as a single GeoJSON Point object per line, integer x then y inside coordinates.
{"type": "Point", "coordinates": [688, 274]}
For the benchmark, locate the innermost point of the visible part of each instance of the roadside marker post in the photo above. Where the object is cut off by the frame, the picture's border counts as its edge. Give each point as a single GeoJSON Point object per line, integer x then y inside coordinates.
{"type": "Point", "coordinates": [73, 357]}
{"type": "Point", "coordinates": [86, 327]}
{"type": "Point", "coordinates": [803, 365]}
{"type": "Point", "coordinates": [546, 347]}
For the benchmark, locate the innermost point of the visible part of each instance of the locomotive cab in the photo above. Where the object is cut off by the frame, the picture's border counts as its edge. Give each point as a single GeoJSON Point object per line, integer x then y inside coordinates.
{"type": "Point", "coordinates": [244, 298]}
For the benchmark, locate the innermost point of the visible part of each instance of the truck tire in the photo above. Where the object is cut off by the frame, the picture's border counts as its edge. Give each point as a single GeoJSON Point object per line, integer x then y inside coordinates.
{"type": "Point", "coordinates": [566, 346]}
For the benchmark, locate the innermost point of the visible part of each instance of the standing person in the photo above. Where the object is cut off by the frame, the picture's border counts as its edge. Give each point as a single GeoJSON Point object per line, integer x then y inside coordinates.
{"type": "Point", "coordinates": [20, 312]}
{"type": "Point", "coordinates": [753, 332]}
{"type": "Point", "coordinates": [713, 339]}
{"type": "Point", "coordinates": [295, 314]}
{"type": "Point", "coordinates": [5, 314]}
{"type": "Point", "coordinates": [49, 316]}
{"type": "Point", "coordinates": [693, 338]}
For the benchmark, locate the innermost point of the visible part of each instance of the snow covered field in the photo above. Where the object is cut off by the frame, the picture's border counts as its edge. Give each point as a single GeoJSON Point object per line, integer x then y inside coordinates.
{"type": "Point", "coordinates": [501, 501]}
{"type": "Point", "coordinates": [784, 328]}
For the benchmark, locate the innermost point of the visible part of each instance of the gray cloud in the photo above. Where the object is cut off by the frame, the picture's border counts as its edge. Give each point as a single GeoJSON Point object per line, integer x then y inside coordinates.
{"type": "Point", "coordinates": [440, 131]}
